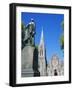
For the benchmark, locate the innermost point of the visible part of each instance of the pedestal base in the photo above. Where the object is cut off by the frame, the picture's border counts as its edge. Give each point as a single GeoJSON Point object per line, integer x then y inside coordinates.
{"type": "Point", "coordinates": [29, 73]}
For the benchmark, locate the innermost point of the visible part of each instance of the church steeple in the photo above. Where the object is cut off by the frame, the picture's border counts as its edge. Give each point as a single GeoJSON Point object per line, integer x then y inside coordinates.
{"type": "Point", "coordinates": [41, 56]}
{"type": "Point", "coordinates": [42, 38]}
{"type": "Point", "coordinates": [41, 45]}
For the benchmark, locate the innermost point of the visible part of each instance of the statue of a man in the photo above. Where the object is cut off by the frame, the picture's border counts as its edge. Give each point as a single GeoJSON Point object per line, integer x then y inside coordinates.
{"type": "Point", "coordinates": [29, 33]}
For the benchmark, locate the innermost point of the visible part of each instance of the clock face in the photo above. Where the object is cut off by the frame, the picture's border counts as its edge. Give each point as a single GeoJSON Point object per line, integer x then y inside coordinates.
{"type": "Point", "coordinates": [54, 61]}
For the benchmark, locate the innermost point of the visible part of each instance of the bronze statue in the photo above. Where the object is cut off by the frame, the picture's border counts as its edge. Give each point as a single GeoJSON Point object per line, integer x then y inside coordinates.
{"type": "Point", "coordinates": [28, 34]}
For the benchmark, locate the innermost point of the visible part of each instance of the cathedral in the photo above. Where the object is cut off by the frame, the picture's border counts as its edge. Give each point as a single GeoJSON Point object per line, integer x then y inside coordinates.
{"type": "Point", "coordinates": [54, 68]}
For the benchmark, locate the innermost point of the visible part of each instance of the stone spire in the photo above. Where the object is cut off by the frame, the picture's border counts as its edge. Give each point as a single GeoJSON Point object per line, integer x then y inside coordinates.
{"type": "Point", "coordinates": [42, 38]}
{"type": "Point", "coordinates": [41, 56]}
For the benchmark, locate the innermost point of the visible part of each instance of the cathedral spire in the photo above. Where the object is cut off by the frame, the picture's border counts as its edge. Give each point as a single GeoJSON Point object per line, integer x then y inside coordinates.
{"type": "Point", "coordinates": [41, 56]}
{"type": "Point", "coordinates": [42, 37]}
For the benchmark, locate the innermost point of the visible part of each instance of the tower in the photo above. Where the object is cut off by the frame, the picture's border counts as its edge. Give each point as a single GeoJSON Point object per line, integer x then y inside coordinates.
{"type": "Point", "coordinates": [41, 56]}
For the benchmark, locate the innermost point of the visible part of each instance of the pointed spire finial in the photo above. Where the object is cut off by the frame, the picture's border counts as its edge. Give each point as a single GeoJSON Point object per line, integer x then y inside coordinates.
{"type": "Point", "coordinates": [42, 37]}
{"type": "Point", "coordinates": [42, 33]}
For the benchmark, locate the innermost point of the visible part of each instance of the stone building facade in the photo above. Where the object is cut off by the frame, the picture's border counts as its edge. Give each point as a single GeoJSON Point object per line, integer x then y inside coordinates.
{"type": "Point", "coordinates": [55, 67]}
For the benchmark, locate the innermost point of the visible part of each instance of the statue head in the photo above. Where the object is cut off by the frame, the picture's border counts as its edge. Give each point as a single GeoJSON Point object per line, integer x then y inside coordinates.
{"type": "Point", "coordinates": [31, 25]}
{"type": "Point", "coordinates": [32, 20]}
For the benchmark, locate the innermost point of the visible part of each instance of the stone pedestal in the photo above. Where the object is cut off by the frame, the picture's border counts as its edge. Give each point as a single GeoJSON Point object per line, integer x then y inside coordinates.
{"type": "Point", "coordinates": [27, 62]}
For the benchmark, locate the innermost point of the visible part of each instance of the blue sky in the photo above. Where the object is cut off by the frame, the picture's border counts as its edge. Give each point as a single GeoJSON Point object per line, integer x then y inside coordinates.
{"type": "Point", "coordinates": [52, 30]}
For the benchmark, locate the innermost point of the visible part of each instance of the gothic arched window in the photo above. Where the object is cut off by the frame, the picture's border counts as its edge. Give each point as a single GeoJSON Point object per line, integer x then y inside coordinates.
{"type": "Point", "coordinates": [42, 52]}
